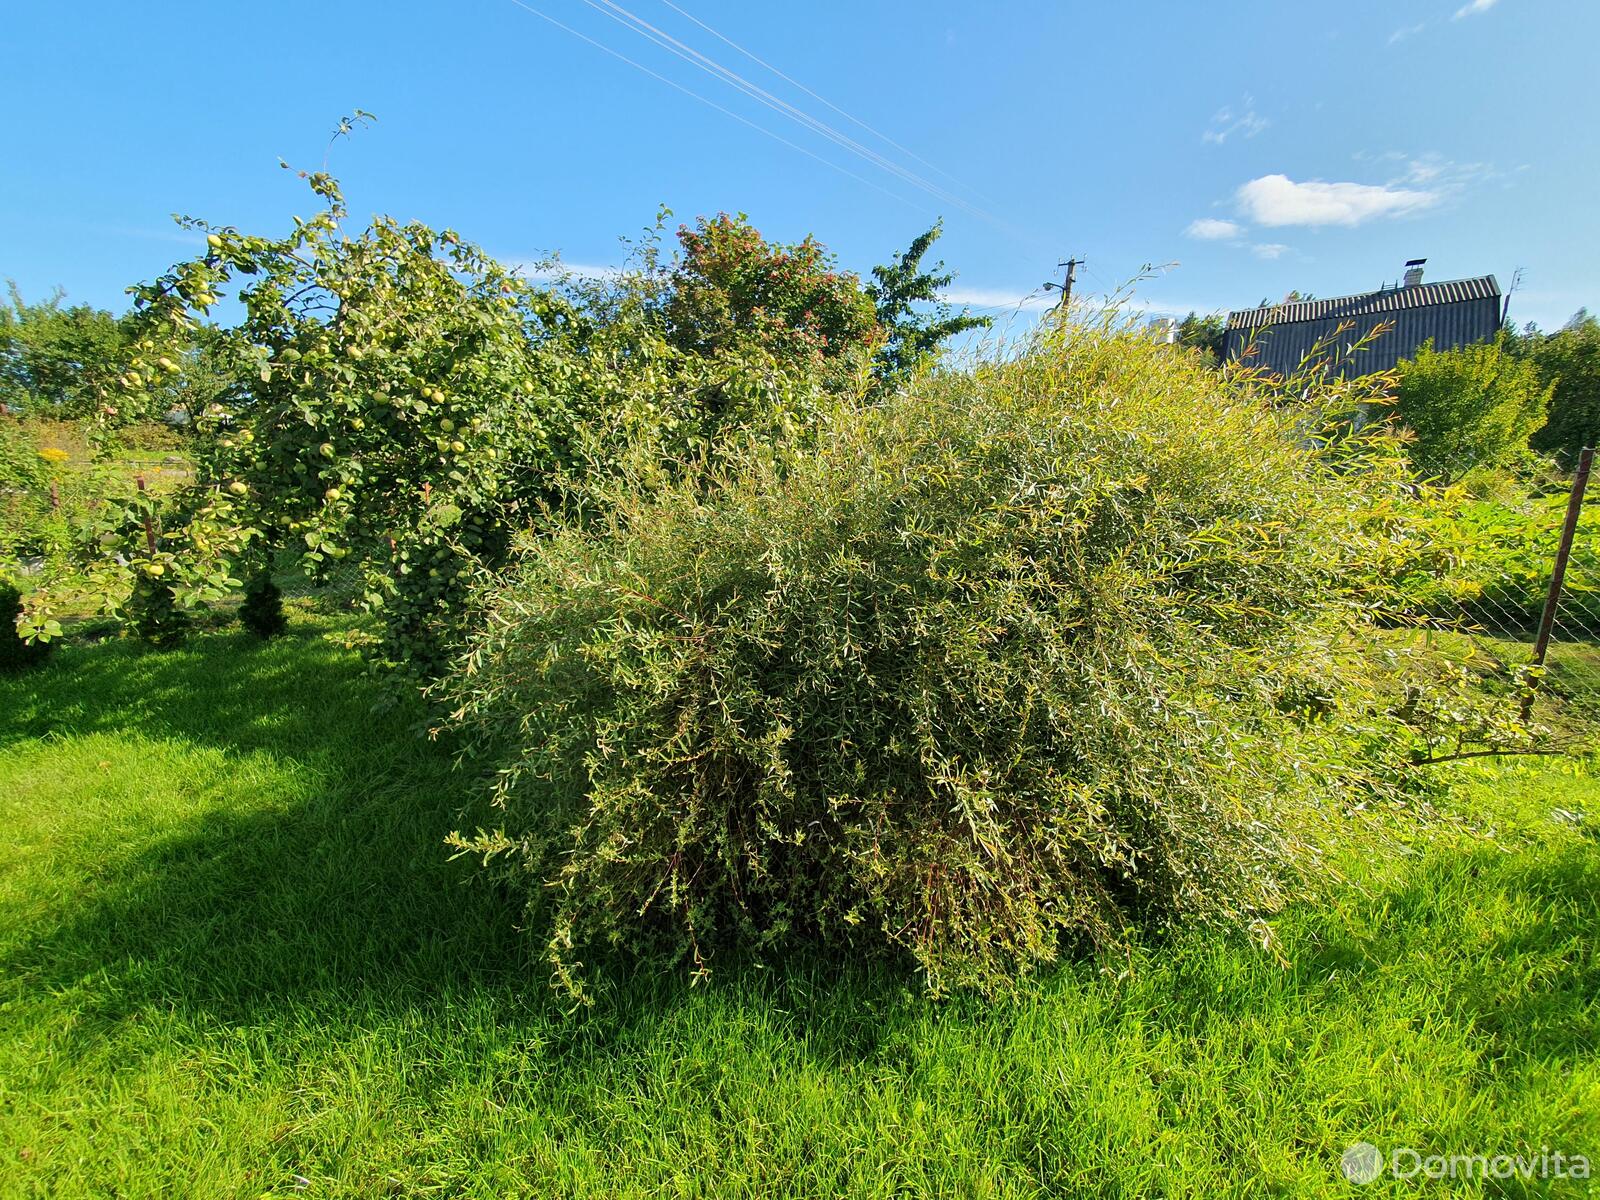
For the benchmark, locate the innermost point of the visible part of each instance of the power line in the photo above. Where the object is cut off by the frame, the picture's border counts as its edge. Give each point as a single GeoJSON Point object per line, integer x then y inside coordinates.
{"type": "Point", "coordinates": [711, 67]}
{"type": "Point", "coordinates": [1099, 278]}
{"type": "Point", "coordinates": [789, 79]}
{"type": "Point", "coordinates": [709, 103]}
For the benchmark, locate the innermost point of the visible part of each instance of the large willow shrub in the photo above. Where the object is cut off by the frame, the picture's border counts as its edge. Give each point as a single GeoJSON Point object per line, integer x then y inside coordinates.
{"type": "Point", "coordinates": [983, 675]}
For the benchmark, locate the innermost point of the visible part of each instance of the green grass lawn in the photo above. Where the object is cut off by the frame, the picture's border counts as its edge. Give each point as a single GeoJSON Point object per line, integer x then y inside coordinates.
{"type": "Point", "coordinates": [234, 954]}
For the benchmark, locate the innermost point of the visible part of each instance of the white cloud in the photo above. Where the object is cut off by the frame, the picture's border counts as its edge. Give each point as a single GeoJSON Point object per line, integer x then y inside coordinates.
{"type": "Point", "coordinates": [1210, 229]}
{"type": "Point", "coordinates": [1227, 122]}
{"type": "Point", "coordinates": [998, 298]}
{"type": "Point", "coordinates": [1129, 301]}
{"type": "Point", "coordinates": [1277, 200]}
{"type": "Point", "coordinates": [1443, 176]}
{"type": "Point", "coordinates": [549, 270]}
{"type": "Point", "coordinates": [1439, 173]}
{"type": "Point", "coordinates": [1471, 8]}
{"type": "Point", "coordinates": [1171, 308]}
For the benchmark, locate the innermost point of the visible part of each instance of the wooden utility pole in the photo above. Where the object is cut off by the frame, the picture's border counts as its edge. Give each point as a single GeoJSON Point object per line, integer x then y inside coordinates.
{"type": "Point", "coordinates": [1065, 287]}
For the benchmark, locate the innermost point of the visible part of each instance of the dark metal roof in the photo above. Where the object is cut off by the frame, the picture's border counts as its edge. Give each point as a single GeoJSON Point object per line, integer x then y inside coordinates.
{"type": "Point", "coordinates": [1384, 300]}
{"type": "Point", "coordinates": [1450, 314]}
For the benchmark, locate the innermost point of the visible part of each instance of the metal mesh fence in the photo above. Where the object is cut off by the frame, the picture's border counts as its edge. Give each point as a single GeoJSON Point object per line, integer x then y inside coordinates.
{"type": "Point", "coordinates": [1516, 605]}
{"type": "Point", "coordinates": [1567, 643]}
{"type": "Point", "coordinates": [340, 589]}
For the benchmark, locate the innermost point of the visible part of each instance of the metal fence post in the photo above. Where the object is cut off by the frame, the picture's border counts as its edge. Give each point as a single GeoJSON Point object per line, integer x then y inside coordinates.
{"type": "Point", "coordinates": [1569, 527]}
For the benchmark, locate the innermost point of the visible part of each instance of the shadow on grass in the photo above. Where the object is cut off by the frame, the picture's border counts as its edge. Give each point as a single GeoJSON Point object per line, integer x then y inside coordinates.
{"type": "Point", "coordinates": [295, 695]}
{"type": "Point", "coordinates": [338, 907]}
{"type": "Point", "coordinates": [338, 885]}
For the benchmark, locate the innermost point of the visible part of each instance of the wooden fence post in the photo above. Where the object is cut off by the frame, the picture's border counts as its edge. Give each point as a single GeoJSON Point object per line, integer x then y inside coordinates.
{"type": "Point", "coordinates": [1569, 528]}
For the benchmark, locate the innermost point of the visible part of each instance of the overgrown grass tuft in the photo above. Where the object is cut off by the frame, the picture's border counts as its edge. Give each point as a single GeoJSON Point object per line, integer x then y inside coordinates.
{"type": "Point", "coordinates": [233, 952]}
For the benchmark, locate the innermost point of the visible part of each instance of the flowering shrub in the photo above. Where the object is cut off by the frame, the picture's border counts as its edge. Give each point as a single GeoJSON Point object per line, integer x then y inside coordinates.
{"type": "Point", "coordinates": [733, 290]}
{"type": "Point", "coordinates": [50, 506]}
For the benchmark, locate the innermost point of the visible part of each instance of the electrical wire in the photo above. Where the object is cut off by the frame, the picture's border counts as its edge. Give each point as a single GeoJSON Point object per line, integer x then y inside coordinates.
{"type": "Point", "coordinates": [645, 29]}
{"type": "Point", "coordinates": [793, 82]}
{"type": "Point", "coordinates": [711, 103]}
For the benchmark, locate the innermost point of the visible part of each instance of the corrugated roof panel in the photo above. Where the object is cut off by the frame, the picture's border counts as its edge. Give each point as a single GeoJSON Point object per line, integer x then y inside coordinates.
{"type": "Point", "coordinates": [1422, 295]}
{"type": "Point", "coordinates": [1282, 346]}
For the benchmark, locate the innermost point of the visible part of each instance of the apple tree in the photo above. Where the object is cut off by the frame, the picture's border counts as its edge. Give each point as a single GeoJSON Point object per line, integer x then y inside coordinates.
{"type": "Point", "coordinates": [395, 399]}
{"type": "Point", "coordinates": [395, 402]}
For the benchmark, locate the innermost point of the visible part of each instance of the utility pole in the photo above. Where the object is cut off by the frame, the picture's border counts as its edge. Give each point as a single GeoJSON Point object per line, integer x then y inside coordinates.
{"type": "Point", "coordinates": [1516, 282]}
{"type": "Point", "coordinates": [1065, 288]}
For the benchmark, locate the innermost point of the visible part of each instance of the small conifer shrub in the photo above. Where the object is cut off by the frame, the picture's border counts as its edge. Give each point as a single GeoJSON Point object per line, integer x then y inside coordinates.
{"type": "Point", "coordinates": [16, 654]}
{"type": "Point", "coordinates": [262, 610]}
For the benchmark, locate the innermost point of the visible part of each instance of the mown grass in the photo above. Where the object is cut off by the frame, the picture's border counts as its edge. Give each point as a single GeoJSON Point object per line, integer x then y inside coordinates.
{"type": "Point", "coordinates": [235, 961]}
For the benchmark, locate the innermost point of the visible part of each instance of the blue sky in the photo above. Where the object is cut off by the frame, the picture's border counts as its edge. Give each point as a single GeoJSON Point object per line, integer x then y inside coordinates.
{"type": "Point", "coordinates": [1262, 145]}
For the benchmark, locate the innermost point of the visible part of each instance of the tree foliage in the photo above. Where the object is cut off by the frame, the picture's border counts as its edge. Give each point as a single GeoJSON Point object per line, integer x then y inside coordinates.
{"type": "Point", "coordinates": [1205, 333]}
{"type": "Point", "coordinates": [1468, 408]}
{"type": "Point", "coordinates": [733, 291]}
{"type": "Point", "coordinates": [63, 362]}
{"type": "Point", "coordinates": [398, 400]}
{"type": "Point", "coordinates": [53, 356]}
{"type": "Point", "coordinates": [398, 404]}
{"type": "Point", "coordinates": [1569, 363]}
{"type": "Point", "coordinates": [913, 335]}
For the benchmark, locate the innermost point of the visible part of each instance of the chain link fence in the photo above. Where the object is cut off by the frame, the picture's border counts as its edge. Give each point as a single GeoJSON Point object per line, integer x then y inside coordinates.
{"type": "Point", "coordinates": [1516, 605]}
{"type": "Point", "coordinates": [339, 590]}
{"type": "Point", "coordinates": [1567, 643]}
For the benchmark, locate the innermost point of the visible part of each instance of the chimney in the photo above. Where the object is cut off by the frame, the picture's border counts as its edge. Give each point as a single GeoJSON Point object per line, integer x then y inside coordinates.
{"type": "Point", "coordinates": [1414, 272]}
